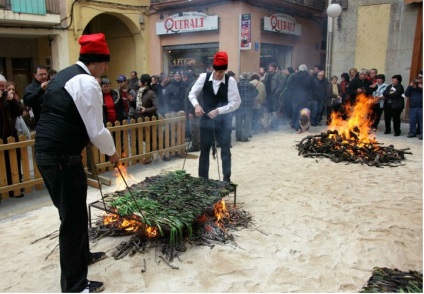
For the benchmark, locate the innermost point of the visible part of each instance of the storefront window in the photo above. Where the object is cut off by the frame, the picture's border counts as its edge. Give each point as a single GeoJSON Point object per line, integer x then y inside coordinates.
{"type": "Point", "coordinates": [195, 57]}
{"type": "Point", "coordinates": [281, 55]}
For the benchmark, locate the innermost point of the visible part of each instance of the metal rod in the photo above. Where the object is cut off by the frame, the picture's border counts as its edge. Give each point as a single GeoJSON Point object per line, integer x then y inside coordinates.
{"type": "Point", "coordinates": [133, 198]}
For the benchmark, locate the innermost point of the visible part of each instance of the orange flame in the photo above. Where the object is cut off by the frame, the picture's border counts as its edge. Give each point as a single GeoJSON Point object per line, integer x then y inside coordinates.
{"type": "Point", "coordinates": [220, 211]}
{"type": "Point", "coordinates": [129, 225]}
{"type": "Point", "coordinates": [122, 169]}
{"type": "Point", "coordinates": [358, 124]}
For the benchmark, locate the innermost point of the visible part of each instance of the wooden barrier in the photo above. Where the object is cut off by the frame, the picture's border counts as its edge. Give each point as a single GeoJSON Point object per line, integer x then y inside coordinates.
{"type": "Point", "coordinates": [137, 142]}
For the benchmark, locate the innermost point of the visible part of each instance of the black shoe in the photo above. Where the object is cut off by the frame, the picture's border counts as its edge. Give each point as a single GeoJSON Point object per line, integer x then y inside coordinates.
{"type": "Point", "coordinates": [386, 132]}
{"type": "Point", "coordinates": [411, 135]}
{"type": "Point", "coordinates": [396, 134]}
{"type": "Point", "coordinates": [191, 149]}
{"type": "Point", "coordinates": [166, 158]}
{"type": "Point", "coordinates": [93, 287]}
{"type": "Point", "coordinates": [244, 140]}
{"type": "Point", "coordinates": [314, 125]}
{"type": "Point", "coordinates": [420, 137]}
{"type": "Point", "coordinates": [96, 256]}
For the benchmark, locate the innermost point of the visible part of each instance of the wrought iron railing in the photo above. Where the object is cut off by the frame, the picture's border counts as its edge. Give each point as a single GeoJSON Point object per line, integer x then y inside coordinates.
{"type": "Point", "coordinates": [52, 6]}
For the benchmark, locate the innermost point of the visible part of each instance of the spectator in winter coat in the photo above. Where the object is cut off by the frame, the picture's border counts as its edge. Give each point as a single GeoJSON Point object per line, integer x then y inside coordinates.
{"type": "Point", "coordinates": [133, 81]}
{"type": "Point", "coordinates": [302, 84]}
{"type": "Point", "coordinates": [144, 101]}
{"type": "Point", "coordinates": [393, 105]}
{"type": "Point", "coordinates": [274, 83]}
{"type": "Point", "coordinates": [10, 110]}
{"type": "Point", "coordinates": [33, 95]}
{"type": "Point", "coordinates": [334, 101]}
{"type": "Point", "coordinates": [113, 108]}
{"type": "Point", "coordinates": [244, 114]}
{"type": "Point", "coordinates": [359, 85]}
{"type": "Point", "coordinates": [259, 102]}
{"type": "Point", "coordinates": [379, 101]}
{"type": "Point", "coordinates": [174, 95]}
{"type": "Point", "coordinates": [415, 94]}
{"type": "Point", "coordinates": [287, 93]}
{"type": "Point", "coordinates": [320, 93]}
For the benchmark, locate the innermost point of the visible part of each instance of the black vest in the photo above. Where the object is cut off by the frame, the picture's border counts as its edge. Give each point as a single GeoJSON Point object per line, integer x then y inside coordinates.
{"type": "Point", "coordinates": [210, 100]}
{"type": "Point", "coordinates": [60, 129]}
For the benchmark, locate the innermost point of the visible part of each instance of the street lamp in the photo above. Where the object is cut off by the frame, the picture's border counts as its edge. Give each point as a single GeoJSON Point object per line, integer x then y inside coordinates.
{"type": "Point", "coordinates": [333, 10]}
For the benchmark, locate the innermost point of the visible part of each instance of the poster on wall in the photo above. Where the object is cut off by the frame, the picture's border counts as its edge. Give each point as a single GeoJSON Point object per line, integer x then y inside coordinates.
{"type": "Point", "coordinates": [245, 31]}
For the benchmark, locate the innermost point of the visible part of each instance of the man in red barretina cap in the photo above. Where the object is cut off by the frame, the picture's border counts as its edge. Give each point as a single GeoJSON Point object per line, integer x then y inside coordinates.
{"type": "Point", "coordinates": [72, 117]}
{"type": "Point", "coordinates": [220, 97]}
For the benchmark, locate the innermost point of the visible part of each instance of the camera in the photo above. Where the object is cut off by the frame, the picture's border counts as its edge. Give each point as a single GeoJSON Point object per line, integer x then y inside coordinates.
{"type": "Point", "coordinates": [5, 93]}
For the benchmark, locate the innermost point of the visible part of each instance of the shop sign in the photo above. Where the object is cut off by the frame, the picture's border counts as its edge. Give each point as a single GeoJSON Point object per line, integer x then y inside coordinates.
{"type": "Point", "coordinates": [282, 23]}
{"type": "Point", "coordinates": [187, 22]}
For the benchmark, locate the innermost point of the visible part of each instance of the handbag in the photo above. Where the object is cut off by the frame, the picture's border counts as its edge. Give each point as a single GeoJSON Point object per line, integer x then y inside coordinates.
{"type": "Point", "coordinates": [22, 128]}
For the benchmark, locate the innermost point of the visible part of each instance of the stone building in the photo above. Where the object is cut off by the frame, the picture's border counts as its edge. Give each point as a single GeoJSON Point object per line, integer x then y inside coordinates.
{"type": "Point", "coordinates": [381, 34]}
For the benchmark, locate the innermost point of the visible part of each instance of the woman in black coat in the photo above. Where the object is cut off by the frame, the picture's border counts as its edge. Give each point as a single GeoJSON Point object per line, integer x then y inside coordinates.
{"type": "Point", "coordinates": [393, 105]}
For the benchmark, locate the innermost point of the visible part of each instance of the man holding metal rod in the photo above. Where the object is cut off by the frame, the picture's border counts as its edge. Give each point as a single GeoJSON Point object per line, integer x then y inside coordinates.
{"type": "Point", "coordinates": [71, 117]}
{"type": "Point", "coordinates": [220, 96]}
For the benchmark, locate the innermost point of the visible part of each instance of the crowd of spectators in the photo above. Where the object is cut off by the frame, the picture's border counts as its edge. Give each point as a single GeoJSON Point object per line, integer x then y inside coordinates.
{"type": "Point", "coordinates": [270, 98]}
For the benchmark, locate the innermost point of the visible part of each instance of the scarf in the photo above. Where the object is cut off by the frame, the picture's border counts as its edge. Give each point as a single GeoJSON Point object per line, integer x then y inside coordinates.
{"type": "Point", "coordinates": [140, 98]}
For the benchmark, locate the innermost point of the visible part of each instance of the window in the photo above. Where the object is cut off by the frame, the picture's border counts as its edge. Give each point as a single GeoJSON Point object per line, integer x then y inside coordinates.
{"type": "Point", "coordinates": [29, 6]}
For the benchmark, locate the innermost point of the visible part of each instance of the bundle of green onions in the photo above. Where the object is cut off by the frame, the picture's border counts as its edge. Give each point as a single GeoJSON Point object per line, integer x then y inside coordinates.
{"type": "Point", "coordinates": [170, 202]}
{"type": "Point", "coordinates": [384, 280]}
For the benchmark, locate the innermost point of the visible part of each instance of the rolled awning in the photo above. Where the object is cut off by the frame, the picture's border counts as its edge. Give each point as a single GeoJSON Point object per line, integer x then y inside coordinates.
{"type": "Point", "coordinates": [413, 1]}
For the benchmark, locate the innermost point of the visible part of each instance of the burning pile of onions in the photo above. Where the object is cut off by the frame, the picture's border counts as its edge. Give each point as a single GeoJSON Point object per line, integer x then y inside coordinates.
{"type": "Point", "coordinates": [350, 141]}
{"type": "Point", "coordinates": [168, 204]}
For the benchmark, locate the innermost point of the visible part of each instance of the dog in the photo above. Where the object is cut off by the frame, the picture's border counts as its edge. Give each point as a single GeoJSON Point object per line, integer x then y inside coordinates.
{"type": "Point", "coordinates": [304, 120]}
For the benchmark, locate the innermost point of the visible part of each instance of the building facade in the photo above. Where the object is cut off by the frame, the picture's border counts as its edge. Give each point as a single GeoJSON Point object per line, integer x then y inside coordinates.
{"type": "Point", "coordinates": [185, 35]}
{"type": "Point", "coordinates": [46, 32]}
{"type": "Point", "coordinates": [381, 34]}
{"type": "Point", "coordinates": [172, 35]}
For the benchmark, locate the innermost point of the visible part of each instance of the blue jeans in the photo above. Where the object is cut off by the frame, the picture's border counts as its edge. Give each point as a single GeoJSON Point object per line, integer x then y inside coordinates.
{"type": "Point", "coordinates": [316, 111]}
{"type": "Point", "coordinates": [66, 182]}
{"type": "Point", "coordinates": [416, 117]}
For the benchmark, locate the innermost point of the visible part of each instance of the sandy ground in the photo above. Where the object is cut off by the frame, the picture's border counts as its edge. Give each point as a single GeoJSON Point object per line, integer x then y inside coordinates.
{"type": "Point", "coordinates": [319, 226]}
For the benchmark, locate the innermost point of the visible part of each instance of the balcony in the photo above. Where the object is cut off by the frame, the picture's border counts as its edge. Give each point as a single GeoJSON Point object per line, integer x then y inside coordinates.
{"type": "Point", "coordinates": [29, 13]}
{"type": "Point", "coordinates": [303, 6]}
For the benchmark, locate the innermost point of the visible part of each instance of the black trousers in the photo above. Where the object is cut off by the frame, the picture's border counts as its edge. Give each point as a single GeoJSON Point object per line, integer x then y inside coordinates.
{"type": "Point", "coordinates": [392, 114]}
{"type": "Point", "coordinates": [376, 115]}
{"type": "Point", "coordinates": [219, 129]}
{"type": "Point", "coordinates": [66, 182]}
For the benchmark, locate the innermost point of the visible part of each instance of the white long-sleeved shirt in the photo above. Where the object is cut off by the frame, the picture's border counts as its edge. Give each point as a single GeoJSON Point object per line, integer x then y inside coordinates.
{"type": "Point", "coordinates": [88, 98]}
{"type": "Point", "coordinates": [234, 99]}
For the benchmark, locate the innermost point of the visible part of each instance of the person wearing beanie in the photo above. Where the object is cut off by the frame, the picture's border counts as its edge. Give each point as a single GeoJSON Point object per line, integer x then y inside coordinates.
{"type": "Point", "coordinates": [71, 118]}
{"type": "Point", "coordinates": [220, 97]}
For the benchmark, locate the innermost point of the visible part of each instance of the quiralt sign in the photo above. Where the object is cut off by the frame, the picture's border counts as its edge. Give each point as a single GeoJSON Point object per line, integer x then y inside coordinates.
{"type": "Point", "coordinates": [282, 23]}
{"type": "Point", "coordinates": [187, 22]}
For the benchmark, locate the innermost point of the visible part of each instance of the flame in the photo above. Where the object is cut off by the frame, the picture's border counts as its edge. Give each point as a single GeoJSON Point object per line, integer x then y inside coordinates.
{"type": "Point", "coordinates": [129, 225]}
{"type": "Point", "coordinates": [357, 127]}
{"type": "Point", "coordinates": [122, 169]}
{"type": "Point", "coordinates": [220, 211]}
